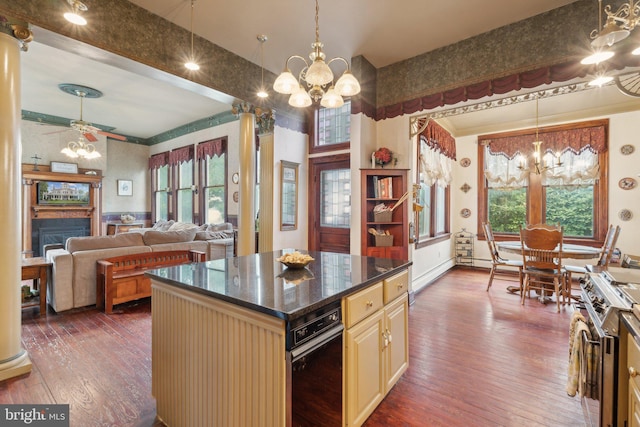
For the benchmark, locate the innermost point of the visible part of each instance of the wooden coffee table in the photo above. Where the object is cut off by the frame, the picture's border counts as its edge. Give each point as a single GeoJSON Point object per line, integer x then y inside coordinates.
{"type": "Point", "coordinates": [36, 269]}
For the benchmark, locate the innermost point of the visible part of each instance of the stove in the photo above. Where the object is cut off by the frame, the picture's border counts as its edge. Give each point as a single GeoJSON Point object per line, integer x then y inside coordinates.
{"type": "Point", "coordinates": [604, 299]}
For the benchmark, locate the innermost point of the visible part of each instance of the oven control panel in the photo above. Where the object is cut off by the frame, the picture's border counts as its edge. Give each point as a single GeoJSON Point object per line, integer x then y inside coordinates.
{"type": "Point", "coordinates": [315, 327]}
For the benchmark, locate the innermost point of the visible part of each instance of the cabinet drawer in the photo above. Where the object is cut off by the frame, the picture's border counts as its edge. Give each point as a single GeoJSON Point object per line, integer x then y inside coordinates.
{"type": "Point", "coordinates": [360, 305]}
{"type": "Point", "coordinates": [395, 286]}
{"type": "Point", "coordinates": [633, 359]}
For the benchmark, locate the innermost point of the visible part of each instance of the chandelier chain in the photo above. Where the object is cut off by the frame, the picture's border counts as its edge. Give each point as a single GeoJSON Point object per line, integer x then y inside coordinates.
{"type": "Point", "coordinates": [317, 25]}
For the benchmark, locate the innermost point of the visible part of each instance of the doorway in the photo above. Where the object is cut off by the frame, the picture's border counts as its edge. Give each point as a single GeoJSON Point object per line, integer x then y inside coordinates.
{"type": "Point", "coordinates": [330, 203]}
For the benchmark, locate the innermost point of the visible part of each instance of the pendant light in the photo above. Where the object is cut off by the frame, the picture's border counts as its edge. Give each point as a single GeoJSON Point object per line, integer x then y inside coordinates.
{"type": "Point", "coordinates": [191, 64]}
{"type": "Point", "coordinates": [74, 16]}
{"type": "Point", "coordinates": [262, 92]}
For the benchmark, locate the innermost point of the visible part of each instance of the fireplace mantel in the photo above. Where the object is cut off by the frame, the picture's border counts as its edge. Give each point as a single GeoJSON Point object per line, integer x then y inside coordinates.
{"type": "Point", "coordinates": [31, 210]}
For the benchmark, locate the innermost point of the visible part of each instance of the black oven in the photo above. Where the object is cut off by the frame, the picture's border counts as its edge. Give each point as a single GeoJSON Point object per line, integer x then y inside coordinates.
{"type": "Point", "coordinates": [314, 369]}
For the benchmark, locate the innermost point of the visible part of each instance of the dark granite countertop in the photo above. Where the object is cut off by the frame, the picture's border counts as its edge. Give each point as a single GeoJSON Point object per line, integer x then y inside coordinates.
{"type": "Point", "coordinates": [261, 283]}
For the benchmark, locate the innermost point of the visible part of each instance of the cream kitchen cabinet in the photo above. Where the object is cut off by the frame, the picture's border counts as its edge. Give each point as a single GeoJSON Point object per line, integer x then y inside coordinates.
{"type": "Point", "coordinates": [633, 366]}
{"type": "Point", "coordinates": [376, 346]}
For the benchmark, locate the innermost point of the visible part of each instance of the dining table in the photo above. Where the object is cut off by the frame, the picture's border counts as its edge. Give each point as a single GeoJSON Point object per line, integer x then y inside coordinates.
{"type": "Point", "coordinates": [569, 250]}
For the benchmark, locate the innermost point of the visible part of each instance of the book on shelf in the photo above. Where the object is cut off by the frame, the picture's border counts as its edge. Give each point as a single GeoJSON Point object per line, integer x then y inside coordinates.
{"type": "Point", "coordinates": [374, 182]}
{"type": "Point", "coordinates": [385, 188]}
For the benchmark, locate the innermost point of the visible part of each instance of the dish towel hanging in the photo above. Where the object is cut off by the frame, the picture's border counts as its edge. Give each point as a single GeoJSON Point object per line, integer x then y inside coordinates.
{"type": "Point", "coordinates": [580, 357]}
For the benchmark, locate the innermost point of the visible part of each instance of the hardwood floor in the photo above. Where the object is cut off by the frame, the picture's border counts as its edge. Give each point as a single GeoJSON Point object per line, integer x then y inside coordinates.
{"type": "Point", "coordinates": [477, 358]}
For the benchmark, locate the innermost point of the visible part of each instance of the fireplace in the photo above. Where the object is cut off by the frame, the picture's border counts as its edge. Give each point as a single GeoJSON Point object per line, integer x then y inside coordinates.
{"type": "Point", "coordinates": [50, 231]}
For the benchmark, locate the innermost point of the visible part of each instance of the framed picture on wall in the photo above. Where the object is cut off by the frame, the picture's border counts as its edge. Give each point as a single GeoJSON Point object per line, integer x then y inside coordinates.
{"type": "Point", "coordinates": [125, 187]}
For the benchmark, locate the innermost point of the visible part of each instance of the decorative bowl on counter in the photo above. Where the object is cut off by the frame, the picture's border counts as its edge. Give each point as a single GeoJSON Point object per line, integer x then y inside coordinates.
{"type": "Point", "coordinates": [295, 260]}
{"type": "Point", "coordinates": [295, 276]}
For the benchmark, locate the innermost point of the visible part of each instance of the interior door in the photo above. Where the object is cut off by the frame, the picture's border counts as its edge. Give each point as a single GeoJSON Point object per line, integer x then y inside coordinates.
{"type": "Point", "coordinates": [330, 204]}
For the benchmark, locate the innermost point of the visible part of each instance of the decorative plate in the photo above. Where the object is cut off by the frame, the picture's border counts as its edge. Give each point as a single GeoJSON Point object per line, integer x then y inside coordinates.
{"type": "Point", "coordinates": [466, 187]}
{"type": "Point", "coordinates": [625, 214]}
{"type": "Point", "coordinates": [235, 196]}
{"type": "Point", "coordinates": [627, 183]}
{"type": "Point", "coordinates": [627, 149]}
{"type": "Point", "coordinates": [465, 162]}
{"type": "Point", "coordinates": [235, 178]}
{"type": "Point", "coordinates": [465, 213]}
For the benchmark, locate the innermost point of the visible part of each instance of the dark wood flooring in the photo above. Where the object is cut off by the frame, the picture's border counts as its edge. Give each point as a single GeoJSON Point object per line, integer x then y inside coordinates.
{"type": "Point", "coordinates": [477, 359]}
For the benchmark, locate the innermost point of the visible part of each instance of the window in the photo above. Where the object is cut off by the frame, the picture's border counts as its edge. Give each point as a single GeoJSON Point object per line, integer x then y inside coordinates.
{"type": "Point", "coordinates": [335, 198]}
{"type": "Point", "coordinates": [160, 186]}
{"type": "Point", "coordinates": [571, 190]}
{"type": "Point", "coordinates": [332, 128]}
{"type": "Point", "coordinates": [436, 148]}
{"type": "Point", "coordinates": [181, 161]}
{"type": "Point", "coordinates": [212, 157]}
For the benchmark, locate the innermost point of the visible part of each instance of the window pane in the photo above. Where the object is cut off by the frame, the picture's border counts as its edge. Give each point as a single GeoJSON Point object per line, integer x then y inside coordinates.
{"type": "Point", "coordinates": [162, 175]}
{"type": "Point", "coordinates": [334, 125]}
{"type": "Point", "coordinates": [335, 198]}
{"type": "Point", "coordinates": [572, 207]}
{"type": "Point", "coordinates": [506, 209]}
{"type": "Point", "coordinates": [424, 199]}
{"type": "Point", "coordinates": [185, 174]}
{"type": "Point", "coordinates": [162, 206]}
{"type": "Point", "coordinates": [440, 209]}
{"type": "Point", "coordinates": [215, 171]}
{"type": "Point", "coordinates": [215, 205]}
{"type": "Point", "coordinates": [185, 205]}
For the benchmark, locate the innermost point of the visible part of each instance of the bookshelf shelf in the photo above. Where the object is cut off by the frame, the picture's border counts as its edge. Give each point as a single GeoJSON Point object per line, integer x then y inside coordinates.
{"type": "Point", "coordinates": [392, 183]}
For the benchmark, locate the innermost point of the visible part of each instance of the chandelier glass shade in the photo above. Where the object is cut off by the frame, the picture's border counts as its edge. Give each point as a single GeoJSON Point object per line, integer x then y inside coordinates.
{"type": "Point", "coordinates": [80, 148]}
{"type": "Point", "coordinates": [315, 80]}
{"type": "Point", "coordinates": [74, 15]}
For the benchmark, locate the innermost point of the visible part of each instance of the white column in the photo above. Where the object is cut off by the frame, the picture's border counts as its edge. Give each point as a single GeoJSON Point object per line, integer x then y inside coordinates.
{"type": "Point", "coordinates": [246, 201]}
{"type": "Point", "coordinates": [14, 360]}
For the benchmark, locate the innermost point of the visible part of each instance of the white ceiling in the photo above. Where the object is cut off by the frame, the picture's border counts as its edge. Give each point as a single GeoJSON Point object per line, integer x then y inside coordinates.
{"type": "Point", "coordinates": [378, 29]}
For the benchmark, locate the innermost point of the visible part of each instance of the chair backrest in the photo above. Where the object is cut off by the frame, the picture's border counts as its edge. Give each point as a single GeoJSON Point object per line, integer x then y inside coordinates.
{"type": "Point", "coordinates": [541, 247]}
{"type": "Point", "coordinates": [609, 246]}
{"type": "Point", "coordinates": [545, 226]}
{"type": "Point", "coordinates": [493, 248]}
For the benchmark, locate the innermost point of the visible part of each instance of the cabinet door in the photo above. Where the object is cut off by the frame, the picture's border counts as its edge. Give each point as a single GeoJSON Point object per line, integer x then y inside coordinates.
{"type": "Point", "coordinates": [634, 404]}
{"type": "Point", "coordinates": [364, 370]}
{"type": "Point", "coordinates": [397, 351]}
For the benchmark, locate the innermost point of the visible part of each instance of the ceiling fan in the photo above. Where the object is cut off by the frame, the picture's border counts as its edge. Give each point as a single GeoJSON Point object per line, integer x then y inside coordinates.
{"type": "Point", "coordinates": [85, 128]}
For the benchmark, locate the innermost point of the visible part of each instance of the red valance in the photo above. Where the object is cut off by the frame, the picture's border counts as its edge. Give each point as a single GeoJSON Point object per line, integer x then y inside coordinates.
{"type": "Point", "coordinates": [436, 137]}
{"type": "Point", "coordinates": [180, 155]}
{"type": "Point", "coordinates": [214, 147]}
{"type": "Point", "coordinates": [158, 160]}
{"type": "Point", "coordinates": [557, 139]}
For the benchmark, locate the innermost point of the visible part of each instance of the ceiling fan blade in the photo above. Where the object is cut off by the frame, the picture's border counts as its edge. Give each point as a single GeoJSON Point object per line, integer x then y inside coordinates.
{"type": "Point", "coordinates": [56, 131]}
{"type": "Point", "coordinates": [90, 137]}
{"type": "Point", "coordinates": [112, 135]}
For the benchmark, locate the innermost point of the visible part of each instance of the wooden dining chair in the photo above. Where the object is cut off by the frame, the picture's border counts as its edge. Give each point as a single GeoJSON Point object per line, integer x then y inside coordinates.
{"type": "Point", "coordinates": [542, 262]}
{"type": "Point", "coordinates": [603, 261]}
{"type": "Point", "coordinates": [503, 267]}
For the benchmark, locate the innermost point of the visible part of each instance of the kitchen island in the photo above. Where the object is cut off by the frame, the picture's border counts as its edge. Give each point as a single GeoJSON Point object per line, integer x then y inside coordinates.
{"type": "Point", "coordinates": [221, 330]}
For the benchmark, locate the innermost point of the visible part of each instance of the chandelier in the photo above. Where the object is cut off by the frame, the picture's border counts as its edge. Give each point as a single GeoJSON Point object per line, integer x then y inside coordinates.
{"type": "Point", "coordinates": [318, 78]}
{"type": "Point", "coordinates": [540, 163]}
{"type": "Point", "coordinates": [617, 27]}
{"type": "Point", "coordinates": [81, 148]}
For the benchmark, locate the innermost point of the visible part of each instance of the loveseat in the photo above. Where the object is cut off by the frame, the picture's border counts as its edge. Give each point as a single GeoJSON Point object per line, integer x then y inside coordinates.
{"type": "Point", "coordinates": [72, 281]}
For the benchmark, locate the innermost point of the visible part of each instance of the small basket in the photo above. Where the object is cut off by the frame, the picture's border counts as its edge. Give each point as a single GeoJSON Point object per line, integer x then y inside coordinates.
{"type": "Point", "coordinates": [384, 240]}
{"type": "Point", "coordinates": [383, 216]}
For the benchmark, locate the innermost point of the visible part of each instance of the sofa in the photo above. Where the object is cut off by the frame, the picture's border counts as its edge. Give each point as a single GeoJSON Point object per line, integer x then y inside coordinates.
{"type": "Point", "coordinates": [72, 282]}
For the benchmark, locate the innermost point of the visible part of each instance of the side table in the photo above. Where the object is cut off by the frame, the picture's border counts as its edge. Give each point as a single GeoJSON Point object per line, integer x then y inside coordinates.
{"type": "Point", "coordinates": [119, 227]}
{"type": "Point", "coordinates": [36, 269]}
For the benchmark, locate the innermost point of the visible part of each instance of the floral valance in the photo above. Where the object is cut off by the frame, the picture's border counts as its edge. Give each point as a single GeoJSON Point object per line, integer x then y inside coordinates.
{"type": "Point", "coordinates": [158, 160]}
{"type": "Point", "coordinates": [214, 147]}
{"type": "Point", "coordinates": [437, 138]}
{"type": "Point", "coordinates": [181, 155]}
{"type": "Point", "coordinates": [590, 136]}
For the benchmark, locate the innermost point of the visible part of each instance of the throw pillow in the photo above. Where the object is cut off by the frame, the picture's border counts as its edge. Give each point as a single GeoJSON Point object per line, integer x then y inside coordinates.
{"type": "Point", "coordinates": [182, 226]}
{"type": "Point", "coordinates": [211, 235]}
{"type": "Point", "coordinates": [163, 225]}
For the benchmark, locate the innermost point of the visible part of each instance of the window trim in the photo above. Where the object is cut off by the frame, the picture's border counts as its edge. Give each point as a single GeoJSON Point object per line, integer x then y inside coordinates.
{"type": "Point", "coordinates": [536, 206]}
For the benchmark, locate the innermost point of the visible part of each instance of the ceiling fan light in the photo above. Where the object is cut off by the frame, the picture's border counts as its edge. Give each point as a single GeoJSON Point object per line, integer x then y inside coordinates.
{"type": "Point", "coordinates": [286, 83]}
{"type": "Point", "coordinates": [332, 99]}
{"type": "Point", "coordinates": [300, 98]}
{"type": "Point", "coordinates": [600, 80]}
{"type": "Point", "coordinates": [636, 51]}
{"type": "Point", "coordinates": [93, 155]}
{"type": "Point", "coordinates": [611, 33]}
{"type": "Point", "coordinates": [597, 57]}
{"type": "Point", "coordinates": [69, 152]}
{"type": "Point", "coordinates": [191, 65]}
{"type": "Point", "coordinates": [74, 18]}
{"type": "Point", "coordinates": [347, 85]}
{"type": "Point", "coordinates": [319, 73]}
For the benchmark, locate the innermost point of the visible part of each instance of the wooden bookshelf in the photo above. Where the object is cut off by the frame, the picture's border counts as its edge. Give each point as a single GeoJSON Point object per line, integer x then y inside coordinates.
{"type": "Point", "coordinates": [385, 186]}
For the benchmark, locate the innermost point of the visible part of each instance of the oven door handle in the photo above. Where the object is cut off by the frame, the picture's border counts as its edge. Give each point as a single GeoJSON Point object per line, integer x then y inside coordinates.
{"type": "Point", "coordinates": [316, 342]}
